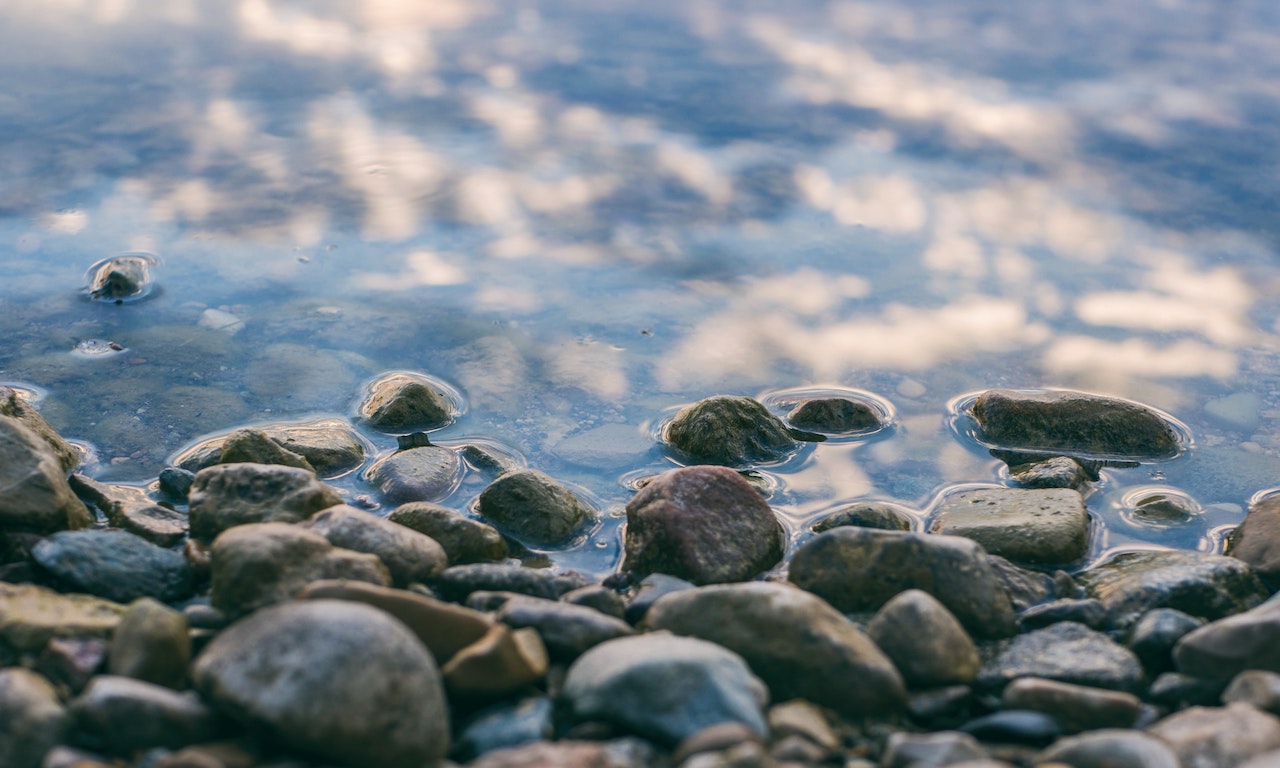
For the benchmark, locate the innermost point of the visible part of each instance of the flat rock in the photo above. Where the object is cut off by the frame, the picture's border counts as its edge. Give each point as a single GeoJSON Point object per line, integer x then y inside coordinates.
{"type": "Point", "coordinates": [30, 616]}
{"type": "Point", "coordinates": [1199, 584]}
{"type": "Point", "coordinates": [114, 564]}
{"type": "Point", "coordinates": [121, 715]}
{"type": "Point", "coordinates": [1222, 649]}
{"type": "Point", "coordinates": [34, 493]}
{"type": "Point", "coordinates": [665, 687]}
{"type": "Point", "coordinates": [1110, 748]}
{"type": "Point", "coordinates": [458, 581]}
{"type": "Point", "coordinates": [705, 524]}
{"type": "Point", "coordinates": [1025, 525]}
{"type": "Point", "coordinates": [729, 430]}
{"type": "Point", "coordinates": [404, 402]}
{"type": "Point", "coordinates": [227, 495]}
{"type": "Point", "coordinates": [464, 540]}
{"type": "Point", "coordinates": [427, 473]}
{"type": "Point", "coordinates": [1211, 737]}
{"type": "Point", "coordinates": [533, 508]}
{"type": "Point", "coordinates": [1076, 423]}
{"type": "Point", "coordinates": [34, 720]}
{"type": "Point", "coordinates": [1074, 708]}
{"type": "Point", "coordinates": [860, 569]}
{"type": "Point", "coordinates": [330, 446]}
{"type": "Point", "coordinates": [1053, 472]}
{"type": "Point", "coordinates": [151, 644]}
{"type": "Point", "coordinates": [254, 447]}
{"type": "Point", "coordinates": [799, 645]}
{"type": "Point", "coordinates": [1256, 540]}
{"type": "Point", "coordinates": [409, 556]}
{"type": "Point", "coordinates": [288, 669]}
{"type": "Point", "coordinates": [567, 630]}
{"type": "Point", "coordinates": [924, 640]}
{"type": "Point", "coordinates": [1066, 652]}
{"type": "Point", "coordinates": [507, 725]}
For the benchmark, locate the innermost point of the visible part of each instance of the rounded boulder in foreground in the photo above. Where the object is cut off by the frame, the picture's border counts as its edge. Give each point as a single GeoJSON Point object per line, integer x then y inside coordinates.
{"type": "Point", "coordinates": [339, 681]}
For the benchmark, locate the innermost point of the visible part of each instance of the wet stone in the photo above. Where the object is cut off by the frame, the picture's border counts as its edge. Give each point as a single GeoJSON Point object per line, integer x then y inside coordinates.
{"type": "Point", "coordinates": [464, 540]}
{"type": "Point", "coordinates": [254, 447]}
{"type": "Point", "coordinates": [533, 508]}
{"type": "Point", "coordinates": [1256, 540]}
{"type": "Point", "coordinates": [404, 402]}
{"type": "Point", "coordinates": [1025, 587]}
{"type": "Point", "coordinates": [1066, 652]}
{"type": "Point", "coordinates": [860, 569]}
{"type": "Point", "coordinates": [159, 525]}
{"type": "Point", "coordinates": [408, 555]}
{"type": "Point", "coordinates": [175, 482]}
{"type": "Point", "coordinates": [924, 640]}
{"type": "Point", "coordinates": [227, 495]}
{"type": "Point", "coordinates": [1073, 422]}
{"type": "Point", "coordinates": [599, 598]}
{"type": "Point", "coordinates": [1155, 634]}
{"type": "Point", "coordinates": [458, 581]}
{"type": "Point", "coordinates": [1055, 472]}
{"type": "Point", "coordinates": [804, 719]}
{"type": "Point", "coordinates": [1211, 737]}
{"type": "Point", "coordinates": [1034, 526]}
{"type": "Point", "coordinates": [151, 644]}
{"type": "Point", "coordinates": [33, 718]}
{"type": "Point", "coordinates": [1174, 690]}
{"type": "Point", "coordinates": [121, 715]}
{"type": "Point", "coordinates": [1089, 612]}
{"type": "Point", "coordinates": [567, 630]}
{"type": "Point", "coordinates": [941, 708]}
{"type": "Point", "coordinates": [729, 430]}
{"type": "Point", "coordinates": [1074, 708]}
{"type": "Point", "coordinates": [651, 589]}
{"type": "Point", "coordinates": [705, 524]}
{"type": "Point", "coordinates": [501, 662]}
{"type": "Point", "coordinates": [619, 753]}
{"type": "Point", "coordinates": [800, 646]}
{"type": "Point", "coordinates": [34, 493]}
{"type": "Point", "coordinates": [122, 278]}
{"type": "Point", "coordinates": [1222, 649]}
{"type": "Point", "coordinates": [1110, 748]}
{"type": "Point", "coordinates": [116, 565]}
{"type": "Point", "coordinates": [870, 514]}
{"type": "Point", "coordinates": [418, 474]}
{"type": "Point", "coordinates": [834, 414]}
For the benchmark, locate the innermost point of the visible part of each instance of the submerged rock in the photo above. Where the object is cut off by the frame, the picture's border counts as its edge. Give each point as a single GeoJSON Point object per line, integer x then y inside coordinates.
{"type": "Point", "coordinates": [404, 402]}
{"type": "Point", "coordinates": [706, 524]}
{"type": "Point", "coordinates": [122, 278]}
{"type": "Point", "coordinates": [34, 493]}
{"type": "Point", "coordinates": [116, 565]}
{"type": "Point", "coordinates": [729, 430]}
{"type": "Point", "coordinates": [1025, 525]}
{"type": "Point", "coordinates": [834, 414]}
{"type": "Point", "coordinates": [1073, 422]}
{"type": "Point", "coordinates": [532, 507]}
{"type": "Point", "coordinates": [870, 514]}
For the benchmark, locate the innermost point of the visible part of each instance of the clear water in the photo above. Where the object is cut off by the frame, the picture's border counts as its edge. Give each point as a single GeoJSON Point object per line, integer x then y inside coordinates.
{"type": "Point", "coordinates": [584, 215]}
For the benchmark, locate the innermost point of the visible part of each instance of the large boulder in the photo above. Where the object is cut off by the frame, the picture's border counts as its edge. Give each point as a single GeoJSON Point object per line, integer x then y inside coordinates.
{"type": "Point", "coordinates": [795, 642]}
{"type": "Point", "coordinates": [1075, 423]}
{"type": "Point", "coordinates": [338, 681]}
{"type": "Point", "coordinates": [227, 495]}
{"type": "Point", "coordinates": [729, 430]}
{"type": "Point", "coordinates": [532, 507]}
{"type": "Point", "coordinates": [705, 524]}
{"type": "Point", "coordinates": [34, 493]}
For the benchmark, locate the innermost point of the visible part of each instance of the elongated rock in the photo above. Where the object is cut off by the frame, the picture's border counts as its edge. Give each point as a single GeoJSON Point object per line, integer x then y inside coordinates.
{"type": "Point", "coordinates": [1074, 423]}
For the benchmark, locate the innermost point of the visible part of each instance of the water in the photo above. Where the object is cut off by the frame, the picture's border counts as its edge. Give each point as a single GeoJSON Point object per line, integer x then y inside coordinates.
{"type": "Point", "coordinates": [585, 216]}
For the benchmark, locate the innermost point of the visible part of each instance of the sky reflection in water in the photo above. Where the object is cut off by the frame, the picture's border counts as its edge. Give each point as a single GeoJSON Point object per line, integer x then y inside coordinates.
{"type": "Point", "coordinates": [586, 216]}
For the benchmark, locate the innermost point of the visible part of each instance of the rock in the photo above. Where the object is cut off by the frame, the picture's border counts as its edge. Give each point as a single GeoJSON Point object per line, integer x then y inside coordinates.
{"type": "Point", "coordinates": [567, 630]}
{"type": "Point", "coordinates": [252, 446]}
{"type": "Point", "coordinates": [1074, 708]}
{"type": "Point", "coordinates": [1256, 541]}
{"type": "Point", "coordinates": [30, 616]}
{"type": "Point", "coordinates": [1073, 422]}
{"type": "Point", "coordinates": [1089, 612]}
{"type": "Point", "coordinates": [928, 750]}
{"type": "Point", "coordinates": [621, 753]}
{"type": "Point", "coordinates": [70, 663]}
{"type": "Point", "coordinates": [797, 644]}
{"type": "Point", "coordinates": [159, 525]}
{"type": "Point", "coordinates": [1154, 635]}
{"type": "Point", "coordinates": [870, 514]}
{"type": "Point", "coordinates": [705, 524]}
{"type": "Point", "coordinates": [1066, 652]}
{"type": "Point", "coordinates": [728, 430]}
{"type": "Point", "coordinates": [409, 556]}
{"type": "Point", "coordinates": [1054, 472]}
{"type": "Point", "coordinates": [859, 569]}
{"type": "Point", "coordinates": [835, 415]}
{"type": "Point", "coordinates": [924, 641]}
{"type": "Point", "coordinates": [67, 757]}
{"type": "Point", "coordinates": [1211, 737]}
{"type": "Point", "coordinates": [804, 719]}
{"type": "Point", "coordinates": [941, 708]}
{"type": "Point", "coordinates": [458, 581]}
{"type": "Point", "coordinates": [464, 540]}
{"type": "Point", "coordinates": [1025, 525]}
{"type": "Point", "coordinates": [664, 687]}
{"type": "Point", "coordinates": [404, 402]}
{"type": "Point", "coordinates": [34, 494]}
{"type": "Point", "coordinates": [1257, 687]}
{"type": "Point", "coordinates": [417, 474]}
{"type": "Point", "coordinates": [288, 669]}
{"type": "Point", "coordinates": [1209, 586]}
{"type": "Point", "coordinates": [599, 598]}
{"type": "Point", "coordinates": [15, 405]}
{"type": "Point", "coordinates": [121, 715]}
{"type": "Point", "coordinates": [1263, 760]}
{"type": "Point", "coordinates": [33, 719]}
{"type": "Point", "coordinates": [175, 482]}
{"type": "Point", "coordinates": [1161, 509]}
{"type": "Point", "coordinates": [122, 278]}
{"type": "Point", "coordinates": [1014, 726]}
{"type": "Point", "coordinates": [1222, 649]}
{"type": "Point", "coordinates": [1174, 691]}
{"type": "Point", "coordinates": [263, 563]}
{"type": "Point", "coordinates": [443, 627]}
{"type": "Point", "coordinates": [227, 495]}
{"type": "Point", "coordinates": [1025, 587]}
{"type": "Point", "coordinates": [529, 506]}
{"type": "Point", "coordinates": [504, 660]}
{"type": "Point", "coordinates": [303, 377]}
{"type": "Point", "coordinates": [330, 446]}
{"type": "Point", "coordinates": [1110, 748]}
{"type": "Point", "coordinates": [114, 564]}
{"type": "Point", "coordinates": [506, 725]}
{"type": "Point", "coordinates": [651, 589]}
{"type": "Point", "coordinates": [151, 644]}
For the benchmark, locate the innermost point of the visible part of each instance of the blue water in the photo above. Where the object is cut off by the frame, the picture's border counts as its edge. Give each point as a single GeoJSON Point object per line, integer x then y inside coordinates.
{"type": "Point", "coordinates": [583, 216]}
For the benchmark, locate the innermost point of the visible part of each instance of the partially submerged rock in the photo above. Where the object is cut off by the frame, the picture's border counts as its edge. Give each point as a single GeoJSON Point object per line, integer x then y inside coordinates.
{"type": "Point", "coordinates": [533, 508]}
{"type": "Point", "coordinates": [330, 446]}
{"type": "Point", "coordinates": [729, 430]}
{"type": "Point", "coordinates": [122, 278]}
{"type": "Point", "coordinates": [464, 540]}
{"type": "Point", "coordinates": [426, 473]}
{"type": "Point", "coordinates": [1025, 525]}
{"type": "Point", "coordinates": [404, 402]}
{"type": "Point", "coordinates": [834, 414]}
{"type": "Point", "coordinates": [1076, 423]}
{"type": "Point", "coordinates": [870, 514]}
{"type": "Point", "coordinates": [13, 404]}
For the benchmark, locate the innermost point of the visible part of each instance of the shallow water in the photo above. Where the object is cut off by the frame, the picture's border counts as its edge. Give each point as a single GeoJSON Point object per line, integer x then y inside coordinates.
{"type": "Point", "coordinates": [584, 217]}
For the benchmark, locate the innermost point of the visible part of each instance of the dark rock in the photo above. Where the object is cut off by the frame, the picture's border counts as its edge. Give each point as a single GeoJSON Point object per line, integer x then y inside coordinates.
{"type": "Point", "coordinates": [1174, 690]}
{"type": "Point", "coordinates": [506, 725]}
{"type": "Point", "coordinates": [289, 669]}
{"type": "Point", "coordinates": [1209, 586]}
{"type": "Point", "coordinates": [227, 495]}
{"type": "Point", "coordinates": [860, 569]}
{"type": "Point", "coordinates": [1073, 422]}
{"type": "Point", "coordinates": [34, 493]}
{"type": "Point", "coordinates": [15, 405]}
{"type": "Point", "coordinates": [1212, 737]}
{"type": "Point", "coordinates": [456, 582]}
{"type": "Point", "coordinates": [1067, 652]}
{"type": "Point", "coordinates": [30, 616]}
{"type": "Point", "coordinates": [1154, 635]}
{"type": "Point", "coordinates": [1024, 525]}
{"type": "Point", "coordinates": [33, 719]}
{"type": "Point", "coordinates": [924, 640]}
{"type": "Point", "coordinates": [729, 430]}
{"type": "Point", "coordinates": [405, 402]}
{"type": "Point", "coordinates": [803, 719]}
{"type": "Point", "coordinates": [797, 644]}
{"type": "Point", "coordinates": [650, 589]}
{"type": "Point", "coordinates": [664, 687]}
{"type": "Point", "coordinates": [464, 540]}
{"type": "Point", "coordinates": [418, 474]}
{"type": "Point", "coordinates": [1110, 748]}
{"type": "Point", "coordinates": [1162, 508]}
{"type": "Point", "coordinates": [704, 523]}
{"type": "Point", "coordinates": [254, 447]}
{"type": "Point", "coordinates": [151, 644]}
{"type": "Point", "coordinates": [1024, 586]}
{"type": "Point", "coordinates": [533, 508]}
{"type": "Point", "coordinates": [1089, 612]}
{"type": "Point", "coordinates": [1256, 540]}
{"type": "Point", "coordinates": [1074, 708]}
{"type": "Point", "coordinates": [1055, 472]}
{"type": "Point", "coordinates": [929, 750]}
{"type": "Point", "coordinates": [870, 514]}
{"type": "Point", "coordinates": [175, 482]}
{"type": "Point", "coordinates": [121, 715]}
{"type": "Point", "coordinates": [122, 278]}
{"type": "Point", "coordinates": [567, 630]}
{"type": "Point", "coordinates": [600, 598]}
{"type": "Point", "coordinates": [114, 564]}
{"type": "Point", "coordinates": [834, 414]}
{"type": "Point", "coordinates": [409, 556]}
{"type": "Point", "coordinates": [1014, 726]}
{"type": "Point", "coordinates": [1222, 649]}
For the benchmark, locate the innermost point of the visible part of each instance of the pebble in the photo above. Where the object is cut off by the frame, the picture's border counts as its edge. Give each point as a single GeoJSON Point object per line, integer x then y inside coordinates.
{"type": "Point", "coordinates": [427, 473]}
{"type": "Point", "coordinates": [533, 508]}
{"type": "Point", "coordinates": [30, 616]}
{"type": "Point", "coordinates": [928, 750]}
{"type": "Point", "coordinates": [871, 514]}
{"type": "Point", "coordinates": [801, 718]}
{"type": "Point", "coordinates": [1174, 690]}
{"type": "Point", "coordinates": [1053, 472]}
{"type": "Point", "coordinates": [506, 725]}
{"type": "Point", "coordinates": [15, 405]}
{"type": "Point", "coordinates": [121, 715]}
{"type": "Point", "coordinates": [924, 640]}
{"type": "Point", "coordinates": [620, 753]}
{"type": "Point", "coordinates": [834, 414]}
{"type": "Point", "coordinates": [409, 556]}
{"type": "Point", "coordinates": [404, 402]}
{"type": "Point", "coordinates": [1073, 422]}
{"type": "Point", "coordinates": [1089, 612]}
{"type": "Point", "coordinates": [458, 581]}
{"type": "Point", "coordinates": [1256, 540]}
{"type": "Point", "coordinates": [32, 719]}
{"type": "Point", "coordinates": [1025, 525]}
{"type": "Point", "coordinates": [598, 597]}
{"type": "Point", "coordinates": [464, 540]}
{"type": "Point", "coordinates": [226, 495]}
{"type": "Point", "coordinates": [504, 660]}
{"type": "Point", "coordinates": [1258, 687]}
{"type": "Point", "coordinates": [651, 589]}
{"type": "Point", "coordinates": [1014, 726]}
{"type": "Point", "coordinates": [115, 565]}
{"type": "Point", "coordinates": [1156, 633]}
{"type": "Point", "coordinates": [254, 447]}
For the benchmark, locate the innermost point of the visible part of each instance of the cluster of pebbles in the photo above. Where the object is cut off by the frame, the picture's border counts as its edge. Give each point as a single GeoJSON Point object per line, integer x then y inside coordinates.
{"type": "Point", "coordinates": [244, 613]}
